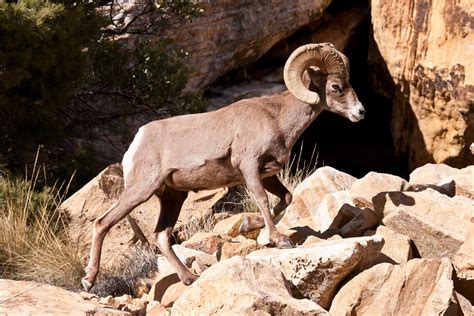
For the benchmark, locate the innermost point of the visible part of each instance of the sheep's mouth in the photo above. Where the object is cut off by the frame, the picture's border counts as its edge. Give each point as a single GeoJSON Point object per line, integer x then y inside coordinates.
{"type": "Point", "coordinates": [355, 118]}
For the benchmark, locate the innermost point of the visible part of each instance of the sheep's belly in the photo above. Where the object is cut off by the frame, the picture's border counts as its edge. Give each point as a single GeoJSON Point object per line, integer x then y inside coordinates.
{"type": "Point", "coordinates": [211, 175]}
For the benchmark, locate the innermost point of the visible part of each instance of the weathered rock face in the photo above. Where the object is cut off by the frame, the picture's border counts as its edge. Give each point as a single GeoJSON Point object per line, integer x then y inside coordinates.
{"type": "Point", "coordinates": [418, 287]}
{"type": "Point", "coordinates": [364, 190]}
{"type": "Point", "coordinates": [316, 270]}
{"type": "Point", "coordinates": [29, 298]}
{"type": "Point", "coordinates": [102, 192]}
{"type": "Point", "coordinates": [427, 48]}
{"type": "Point", "coordinates": [308, 195]}
{"type": "Point", "coordinates": [464, 259]}
{"type": "Point", "coordinates": [229, 34]}
{"type": "Point", "coordinates": [242, 286]}
{"type": "Point", "coordinates": [436, 223]}
{"type": "Point", "coordinates": [396, 249]}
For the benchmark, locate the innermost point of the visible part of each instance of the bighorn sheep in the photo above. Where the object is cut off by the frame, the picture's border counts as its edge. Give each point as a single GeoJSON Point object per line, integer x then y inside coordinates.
{"type": "Point", "coordinates": [247, 142]}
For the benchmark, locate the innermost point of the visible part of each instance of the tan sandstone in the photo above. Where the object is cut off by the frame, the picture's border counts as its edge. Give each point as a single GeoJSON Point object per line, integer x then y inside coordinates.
{"type": "Point", "coordinates": [427, 49]}
{"type": "Point", "coordinates": [418, 287]}
{"type": "Point", "coordinates": [32, 298]}
{"type": "Point", "coordinates": [316, 270]}
{"type": "Point", "coordinates": [240, 286]}
{"type": "Point", "coordinates": [436, 223]}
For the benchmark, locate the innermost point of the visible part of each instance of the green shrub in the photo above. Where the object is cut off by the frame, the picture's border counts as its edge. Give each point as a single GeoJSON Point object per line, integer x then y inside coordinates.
{"type": "Point", "coordinates": [64, 75]}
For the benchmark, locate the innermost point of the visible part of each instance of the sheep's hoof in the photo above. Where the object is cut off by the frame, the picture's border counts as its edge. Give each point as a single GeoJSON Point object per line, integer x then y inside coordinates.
{"type": "Point", "coordinates": [248, 224]}
{"type": "Point", "coordinates": [283, 242]}
{"type": "Point", "coordinates": [86, 284]}
{"type": "Point", "coordinates": [189, 279]}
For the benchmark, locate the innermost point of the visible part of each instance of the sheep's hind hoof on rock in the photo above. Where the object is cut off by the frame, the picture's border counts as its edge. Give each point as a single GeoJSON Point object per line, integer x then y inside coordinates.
{"type": "Point", "coordinates": [188, 280]}
{"type": "Point", "coordinates": [86, 284]}
{"type": "Point", "coordinates": [283, 242]}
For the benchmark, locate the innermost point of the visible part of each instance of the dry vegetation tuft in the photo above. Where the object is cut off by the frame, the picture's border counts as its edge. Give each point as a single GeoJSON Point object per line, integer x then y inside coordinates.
{"type": "Point", "coordinates": [33, 241]}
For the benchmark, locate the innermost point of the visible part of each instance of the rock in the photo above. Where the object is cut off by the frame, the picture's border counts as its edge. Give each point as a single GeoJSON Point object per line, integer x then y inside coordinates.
{"type": "Point", "coordinates": [136, 307]}
{"type": "Point", "coordinates": [364, 190]}
{"type": "Point", "coordinates": [316, 270]}
{"type": "Point", "coordinates": [427, 48]}
{"type": "Point", "coordinates": [187, 257]}
{"type": "Point", "coordinates": [97, 196]}
{"type": "Point", "coordinates": [397, 248]}
{"type": "Point", "coordinates": [464, 182]}
{"type": "Point", "coordinates": [159, 287]}
{"type": "Point", "coordinates": [154, 308]}
{"type": "Point", "coordinates": [436, 223]}
{"type": "Point", "coordinates": [464, 304]}
{"type": "Point", "coordinates": [418, 287]}
{"type": "Point", "coordinates": [242, 286]}
{"type": "Point", "coordinates": [231, 225]}
{"type": "Point", "coordinates": [444, 179]}
{"type": "Point", "coordinates": [436, 176]}
{"type": "Point", "coordinates": [238, 247]}
{"type": "Point", "coordinates": [328, 214]}
{"type": "Point", "coordinates": [360, 221]}
{"type": "Point", "coordinates": [172, 293]}
{"type": "Point", "coordinates": [308, 195]}
{"type": "Point", "coordinates": [340, 29]}
{"type": "Point", "coordinates": [464, 259]}
{"type": "Point", "coordinates": [29, 298]}
{"type": "Point", "coordinates": [230, 34]}
{"type": "Point", "coordinates": [207, 242]}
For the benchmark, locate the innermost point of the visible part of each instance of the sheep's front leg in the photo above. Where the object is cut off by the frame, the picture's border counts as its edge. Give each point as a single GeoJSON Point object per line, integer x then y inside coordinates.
{"type": "Point", "coordinates": [255, 186]}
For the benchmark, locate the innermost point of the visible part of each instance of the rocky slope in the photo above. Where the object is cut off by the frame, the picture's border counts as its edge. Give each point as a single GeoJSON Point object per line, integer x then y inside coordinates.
{"type": "Point", "coordinates": [362, 247]}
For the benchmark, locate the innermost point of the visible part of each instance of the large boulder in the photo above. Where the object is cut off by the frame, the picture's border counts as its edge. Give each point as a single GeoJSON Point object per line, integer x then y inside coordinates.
{"type": "Point", "coordinates": [418, 287]}
{"type": "Point", "coordinates": [31, 298]}
{"type": "Point", "coordinates": [426, 47]}
{"type": "Point", "coordinates": [240, 286]}
{"type": "Point", "coordinates": [230, 34]}
{"type": "Point", "coordinates": [316, 270]}
{"type": "Point", "coordinates": [365, 190]}
{"type": "Point", "coordinates": [308, 195]}
{"type": "Point", "coordinates": [436, 223]}
{"type": "Point", "coordinates": [97, 196]}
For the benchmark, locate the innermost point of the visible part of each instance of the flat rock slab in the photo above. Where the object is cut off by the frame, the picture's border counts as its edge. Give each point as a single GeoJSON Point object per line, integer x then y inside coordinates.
{"type": "Point", "coordinates": [436, 223]}
{"type": "Point", "coordinates": [31, 298]}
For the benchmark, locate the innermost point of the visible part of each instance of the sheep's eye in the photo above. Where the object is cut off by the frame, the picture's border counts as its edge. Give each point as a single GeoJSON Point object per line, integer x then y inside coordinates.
{"type": "Point", "coordinates": [336, 88]}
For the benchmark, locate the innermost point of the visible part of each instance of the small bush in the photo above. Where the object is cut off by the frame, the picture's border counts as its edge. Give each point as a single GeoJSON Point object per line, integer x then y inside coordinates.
{"type": "Point", "coordinates": [132, 275]}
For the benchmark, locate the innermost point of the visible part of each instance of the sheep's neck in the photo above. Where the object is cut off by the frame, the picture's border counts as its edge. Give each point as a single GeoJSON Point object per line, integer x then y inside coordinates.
{"type": "Point", "coordinates": [297, 116]}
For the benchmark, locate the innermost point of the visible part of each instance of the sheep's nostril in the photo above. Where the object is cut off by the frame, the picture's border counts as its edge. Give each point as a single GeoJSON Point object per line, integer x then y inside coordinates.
{"type": "Point", "coordinates": [361, 111]}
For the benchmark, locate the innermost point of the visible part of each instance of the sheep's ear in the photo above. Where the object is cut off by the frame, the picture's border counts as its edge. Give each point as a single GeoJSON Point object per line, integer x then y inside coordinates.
{"type": "Point", "coordinates": [316, 75]}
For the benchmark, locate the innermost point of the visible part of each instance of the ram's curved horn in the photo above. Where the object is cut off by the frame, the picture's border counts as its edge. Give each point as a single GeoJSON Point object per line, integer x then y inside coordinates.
{"type": "Point", "coordinates": [324, 55]}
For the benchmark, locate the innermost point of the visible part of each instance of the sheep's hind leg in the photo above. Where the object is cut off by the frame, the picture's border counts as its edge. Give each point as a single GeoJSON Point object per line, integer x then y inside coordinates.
{"type": "Point", "coordinates": [128, 200]}
{"type": "Point", "coordinates": [255, 186]}
{"type": "Point", "coordinates": [274, 186]}
{"type": "Point", "coordinates": [171, 203]}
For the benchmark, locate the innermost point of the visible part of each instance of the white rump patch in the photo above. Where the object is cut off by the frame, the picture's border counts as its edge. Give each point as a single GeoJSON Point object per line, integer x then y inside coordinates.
{"type": "Point", "coordinates": [127, 161]}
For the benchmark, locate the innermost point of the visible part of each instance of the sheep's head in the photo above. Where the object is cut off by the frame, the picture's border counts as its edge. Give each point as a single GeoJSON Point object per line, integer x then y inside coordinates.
{"type": "Point", "coordinates": [328, 70]}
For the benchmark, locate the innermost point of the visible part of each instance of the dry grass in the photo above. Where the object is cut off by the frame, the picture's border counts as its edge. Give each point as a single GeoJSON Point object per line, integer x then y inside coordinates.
{"type": "Point", "coordinates": [33, 241]}
{"type": "Point", "coordinates": [205, 223]}
{"type": "Point", "coordinates": [133, 274]}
